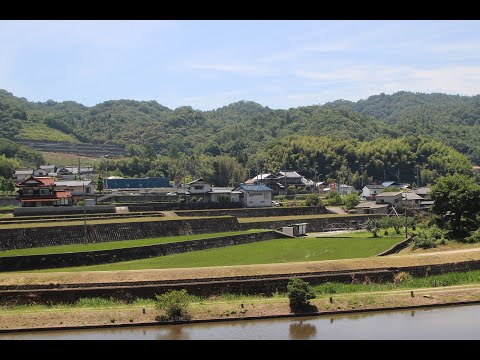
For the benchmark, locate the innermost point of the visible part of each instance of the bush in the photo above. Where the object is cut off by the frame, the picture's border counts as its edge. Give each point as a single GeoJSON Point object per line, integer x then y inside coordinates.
{"type": "Point", "coordinates": [334, 198]}
{"type": "Point", "coordinates": [313, 200]}
{"type": "Point", "coordinates": [299, 293]}
{"type": "Point", "coordinates": [81, 203]}
{"type": "Point", "coordinates": [175, 303]}
{"type": "Point", "coordinates": [373, 227]}
{"type": "Point", "coordinates": [350, 201]}
{"type": "Point", "coordinates": [474, 237]}
{"type": "Point", "coordinates": [401, 278]}
{"type": "Point", "coordinates": [429, 237]}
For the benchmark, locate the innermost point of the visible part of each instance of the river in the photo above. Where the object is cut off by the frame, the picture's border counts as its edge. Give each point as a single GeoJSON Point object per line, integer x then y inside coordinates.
{"type": "Point", "coordinates": [438, 323]}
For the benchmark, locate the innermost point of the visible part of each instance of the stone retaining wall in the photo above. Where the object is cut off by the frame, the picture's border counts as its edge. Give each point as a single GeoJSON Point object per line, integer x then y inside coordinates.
{"type": "Point", "coordinates": [397, 247]}
{"type": "Point", "coordinates": [313, 225]}
{"type": "Point", "coordinates": [258, 212]}
{"type": "Point", "coordinates": [179, 206]}
{"type": "Point", "coordinates": [62, 235]}
{"type": "Point", "coordinates": [210, 287]}
{"type": "Point", "coordinates": [37, 262]}
{"type": "Point", "coordinates": [63, 210]}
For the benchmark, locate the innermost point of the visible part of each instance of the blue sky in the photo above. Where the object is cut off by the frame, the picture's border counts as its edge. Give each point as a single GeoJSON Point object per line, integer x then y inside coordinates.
{"type": "Point", "coordinates": [209, 64]}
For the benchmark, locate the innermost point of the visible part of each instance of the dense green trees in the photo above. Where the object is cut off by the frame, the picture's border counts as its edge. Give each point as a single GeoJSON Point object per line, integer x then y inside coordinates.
{"type": "Point", "coordinates": [333, 140]}
{"type": "Point", "coordinates": [457, 204]}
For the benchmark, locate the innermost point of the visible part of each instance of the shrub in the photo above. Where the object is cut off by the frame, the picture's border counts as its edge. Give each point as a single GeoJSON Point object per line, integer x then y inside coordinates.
{"type": "Point", "coordinates": [429, 237]}
{"type": "Point", "coordinates": [81, 203]}
{"type": "Point", "coordinates": [299, 293]}
{"type": "Point", "coordinates": [334, 198]}
{"type": "Point", "coordinates": [401, 277]}
{"type": "Point", "coordinates": [474, 237]}
{"type": "Point", "coordinates": [373, 227]}
{"type": "Point", "coordinates": [175, 303]}
{"type": "Point", "coordinates": [350, 201]}
{"type": "Point", "coordinates": [313, 200]}
{"type": "Point", "coordinates": [385, 232]}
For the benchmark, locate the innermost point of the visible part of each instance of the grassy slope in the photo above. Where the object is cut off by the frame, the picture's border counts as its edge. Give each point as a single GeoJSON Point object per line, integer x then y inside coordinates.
{"type": "Point", "coordinates": [43, 132]}
{"type": "Point", "coordinates": [115, 244]}
{"type": "Point", "coordinates": [272, 251]}
{"type": "Point", "coordinates": [64, 159]}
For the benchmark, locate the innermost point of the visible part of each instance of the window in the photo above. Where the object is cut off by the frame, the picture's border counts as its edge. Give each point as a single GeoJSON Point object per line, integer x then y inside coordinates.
{"type": "Point", "coordinates": [87, 190]}
{"type": "Point", "coordinates": [198, 187]}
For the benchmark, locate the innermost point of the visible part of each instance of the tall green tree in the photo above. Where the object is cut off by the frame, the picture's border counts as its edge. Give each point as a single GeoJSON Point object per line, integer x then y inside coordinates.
{"type": "Point", "coordinates": [457, 203]}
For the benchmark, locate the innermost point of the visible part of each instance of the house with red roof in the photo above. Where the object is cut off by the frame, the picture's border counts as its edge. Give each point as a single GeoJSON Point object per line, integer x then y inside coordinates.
{"type": "Point", "coordinates": [41, 191]}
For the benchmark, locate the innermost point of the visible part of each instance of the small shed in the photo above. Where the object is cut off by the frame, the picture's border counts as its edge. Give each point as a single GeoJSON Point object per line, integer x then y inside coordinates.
{"type": "Point", "coordinates": [295, 229]}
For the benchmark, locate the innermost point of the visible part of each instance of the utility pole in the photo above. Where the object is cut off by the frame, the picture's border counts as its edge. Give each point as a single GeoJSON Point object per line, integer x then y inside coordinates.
{"type": "Point", "coordinates": [84, 215]}
{"type": "Point", "coordinates": [285, 179]}
{"type": "Point", "coordinates": [362, 167]}
{"type": "Point", "coordinates": [418, 177]}
{"type": "Point", "coordinates": [406, 223]}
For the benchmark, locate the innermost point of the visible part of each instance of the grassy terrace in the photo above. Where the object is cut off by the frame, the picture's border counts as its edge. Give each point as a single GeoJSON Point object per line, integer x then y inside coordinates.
{"type": "Point", "coordinates": [294, 217]}
{"type": "Point", "coordinates": [115, 244]}
{"type": "Point", "coordinates": [272, 251]}
{"type": "Point", "coordinates": [106, 221]}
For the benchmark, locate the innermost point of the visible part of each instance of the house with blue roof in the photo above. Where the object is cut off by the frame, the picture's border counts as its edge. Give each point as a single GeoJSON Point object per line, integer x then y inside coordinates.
{"type": "Point", "coordinates": [255, 195]}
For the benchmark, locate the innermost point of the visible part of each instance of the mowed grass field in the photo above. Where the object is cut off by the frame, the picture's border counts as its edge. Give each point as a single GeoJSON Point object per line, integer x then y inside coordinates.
{"type": "Point", "coordinates": [265, 252]}
{"type": "Point", "coordinates": [116, 244]}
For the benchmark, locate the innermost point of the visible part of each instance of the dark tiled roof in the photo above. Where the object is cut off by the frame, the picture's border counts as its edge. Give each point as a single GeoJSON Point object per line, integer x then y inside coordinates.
{"type": "Point", "coordinates": [254, 187]}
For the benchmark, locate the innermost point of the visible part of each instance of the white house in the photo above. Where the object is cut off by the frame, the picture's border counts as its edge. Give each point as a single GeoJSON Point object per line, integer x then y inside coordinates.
{"type": "Point", "coordinates": [255, 195]}
{"type": "Point", "coordinates": [344, 189]}
{"type": "Point", "coordinates": [390, 197]}
{"type": "Point", "coordinates": [76, 187]}
{"type": "Point", "coordinates": [370, 207]}
{"type": "Point", "coordinates": [412, 198]}
{"type": "Point", "coordinates": [40, 172]}
{"type": "Point", "coordinates": [370, 191]}
{"type": "Point", "coordinates": [48, 168]}
{"type": "Point", "coordinates": [202, 191]}
{"type": "Point", "coordinates": [22, 174]}
{"type": "Point", "coordinates": [223, 194]}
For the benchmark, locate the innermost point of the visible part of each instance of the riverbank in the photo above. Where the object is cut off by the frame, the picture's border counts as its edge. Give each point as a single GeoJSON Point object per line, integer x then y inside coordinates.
{"type": "Point", "coordinates": [63, 317]}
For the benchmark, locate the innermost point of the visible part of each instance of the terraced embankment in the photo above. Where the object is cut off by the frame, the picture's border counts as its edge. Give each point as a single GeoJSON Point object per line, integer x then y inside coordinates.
{"type": "Point", "coordinates": [248, 279]}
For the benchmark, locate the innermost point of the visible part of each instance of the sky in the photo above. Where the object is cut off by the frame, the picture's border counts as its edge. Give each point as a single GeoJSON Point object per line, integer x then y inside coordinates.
{"type": "Point", "coordinates": [209, 64]}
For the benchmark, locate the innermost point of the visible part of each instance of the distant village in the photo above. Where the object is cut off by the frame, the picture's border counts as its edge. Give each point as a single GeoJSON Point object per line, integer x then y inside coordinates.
{"type": "Point", "coordinates": [50, 186]}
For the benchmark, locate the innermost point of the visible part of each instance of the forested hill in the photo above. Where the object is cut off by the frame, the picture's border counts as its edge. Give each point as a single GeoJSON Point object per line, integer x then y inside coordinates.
{"type": "Point", "coordinates": [242, 129]}
{"type": "Point", "coordinates": [452, 119]}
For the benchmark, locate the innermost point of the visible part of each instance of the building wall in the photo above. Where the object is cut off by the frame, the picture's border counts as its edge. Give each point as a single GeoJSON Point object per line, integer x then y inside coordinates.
{"type": "Point", "coordinates": [257, 198]}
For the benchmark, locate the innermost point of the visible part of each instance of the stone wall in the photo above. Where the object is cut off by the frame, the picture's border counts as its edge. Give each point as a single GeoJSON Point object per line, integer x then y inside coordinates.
{"type": "Point", "coordinates": [37, 262]}
{"type": "Point", "coordinates": [313, 225]}
{"type": "Point", "coordinates": [258, 212]}
{"type": "Point", "coordinates": [207, 287]}
{"type": "Point", "coordinates": [9, 202]}
{"type": "Point", "coordinates": [62, 235]}
{"type": "Point", "coordinates": [63, 210]}
{"type": "Point", "coordinates": [179, 206]}
{"type": "Point", "coordinates": [397, 247]}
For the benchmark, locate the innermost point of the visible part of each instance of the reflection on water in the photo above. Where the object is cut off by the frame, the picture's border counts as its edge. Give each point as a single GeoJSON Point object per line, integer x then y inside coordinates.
{"type": "Point", "coordinates": [301, 331]}
{"type": "Point", "coordinates": [439, 323]}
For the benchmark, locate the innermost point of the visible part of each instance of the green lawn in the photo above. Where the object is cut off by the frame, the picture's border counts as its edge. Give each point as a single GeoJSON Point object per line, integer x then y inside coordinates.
{"type": "Point", "coordinates": [271, 251]}
{"type": "Point", "coordinates": [115, 244]}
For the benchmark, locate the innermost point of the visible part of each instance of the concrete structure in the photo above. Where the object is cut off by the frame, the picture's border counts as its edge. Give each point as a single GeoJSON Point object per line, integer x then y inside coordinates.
{"type": "Point", "coordinates": [255, 195]}
{"type": "Point", "coordinates": [369, 192]}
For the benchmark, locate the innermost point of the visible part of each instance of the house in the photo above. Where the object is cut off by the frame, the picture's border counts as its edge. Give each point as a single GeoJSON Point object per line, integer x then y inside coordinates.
{"type": "Point", "coordinates": [395, 184]}
{"type": "Point", "coordinates": [76, 188]}
{"type": "Point", "coordinates": [344, 189]}
{"type": "Point", "coordinates": [81, 171]}
{"type": "Point", "coordinates": [22, 174]}
{"type": "Point", "coordinates": [64, 173]}
{"type": "Point", "coordinates": [424, 192]}
{"type": "Point", "coordinates": [292, 178]}
{"type": "Point", "coordinates": [371, 207]}
{"type": "Point", "coordinates": [41, 191]}
{"type": "Point", "coordinates": [255, 195]}
{"type": "Point", "coordinates": [200, 190]}
{"type": "Point", "coordinates": [309, 185]}
{"type": "Point", "coordinates": [390, 197]}
{"type": "Point", "coordinates": [40, 172]}
{"type": "Point", "coordinates": [413, 199]}
{"type": "Point", "coordinates": [223, 195]}
{"type": "Point", "coordinates": [48, 168]}
{"type": "Point", "coordinates": [370, 191]}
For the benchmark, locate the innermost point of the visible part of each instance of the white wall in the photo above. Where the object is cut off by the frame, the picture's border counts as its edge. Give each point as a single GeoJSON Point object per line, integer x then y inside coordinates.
{"type": "Point", "coordinates": [258, 199]}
